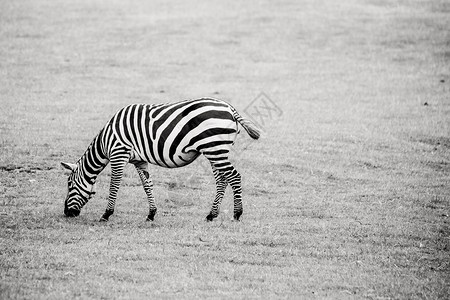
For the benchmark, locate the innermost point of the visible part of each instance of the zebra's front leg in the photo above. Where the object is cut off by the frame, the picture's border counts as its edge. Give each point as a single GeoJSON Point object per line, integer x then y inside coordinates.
{"type": "Point", "coordinates": [147, 183]}
{"type": "Point", "coordinates": [221, 185]}
{"type": "Point", "coordinates": [117, 166]}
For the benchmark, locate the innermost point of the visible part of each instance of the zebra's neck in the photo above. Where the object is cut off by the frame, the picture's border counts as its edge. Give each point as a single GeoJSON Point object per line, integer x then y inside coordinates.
{"type": "Point", "coordinates": [92, 162]}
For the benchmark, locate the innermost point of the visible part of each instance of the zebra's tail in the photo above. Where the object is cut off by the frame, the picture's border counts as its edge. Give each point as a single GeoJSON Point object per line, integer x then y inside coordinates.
{"type": "Point", "coordinates": [248, 125]}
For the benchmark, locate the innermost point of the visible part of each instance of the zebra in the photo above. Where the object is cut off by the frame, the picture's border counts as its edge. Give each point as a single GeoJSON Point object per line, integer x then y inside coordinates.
{"type": "Point", "coordinates": [169, 135]}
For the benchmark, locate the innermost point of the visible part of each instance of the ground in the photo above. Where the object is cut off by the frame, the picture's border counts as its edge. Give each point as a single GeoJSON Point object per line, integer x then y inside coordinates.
{"type": "Point", "coordinates": [346, 195]}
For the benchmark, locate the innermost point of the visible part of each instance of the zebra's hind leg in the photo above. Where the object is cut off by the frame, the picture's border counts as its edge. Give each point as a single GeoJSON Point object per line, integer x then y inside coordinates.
{"type": "Point", "coordinates": [147, 183]}
{"type": "Point", "coordinates": [232, 177]}
{"type": "Point", "coordinates": [221, 185]}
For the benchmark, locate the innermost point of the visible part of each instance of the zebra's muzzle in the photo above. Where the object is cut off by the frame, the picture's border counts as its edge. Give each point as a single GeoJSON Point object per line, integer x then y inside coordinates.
{"type": "Point", "coordinates": [71, 212]}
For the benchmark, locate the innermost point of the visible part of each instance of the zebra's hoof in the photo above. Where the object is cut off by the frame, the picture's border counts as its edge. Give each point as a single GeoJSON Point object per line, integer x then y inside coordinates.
{"type": "Point", "coordinates": [237, 216]}
{"type": "Point", "coordinates": [151, 215]}
{"type": "Point", "coordinates": [106, 215]}
{"type": "Point", "coordinates": [210, 217]}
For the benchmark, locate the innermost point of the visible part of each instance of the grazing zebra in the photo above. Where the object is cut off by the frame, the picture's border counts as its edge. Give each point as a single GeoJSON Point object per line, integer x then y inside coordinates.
{"type": "Point", "coordinates": [168, 135]}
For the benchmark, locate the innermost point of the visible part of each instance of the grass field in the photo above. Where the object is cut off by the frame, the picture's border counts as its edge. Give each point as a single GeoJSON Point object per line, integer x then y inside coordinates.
{"type": "Point", "coordinates": [346, 195]}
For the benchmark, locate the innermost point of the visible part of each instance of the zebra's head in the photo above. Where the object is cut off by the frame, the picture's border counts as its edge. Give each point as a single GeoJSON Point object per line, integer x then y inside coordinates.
{"type": "Point", "coordinates": [77, 193]}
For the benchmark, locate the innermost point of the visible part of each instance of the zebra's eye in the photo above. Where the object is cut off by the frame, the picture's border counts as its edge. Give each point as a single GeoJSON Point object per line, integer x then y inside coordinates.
{"type": "Point", "coordinates": [69, 183]}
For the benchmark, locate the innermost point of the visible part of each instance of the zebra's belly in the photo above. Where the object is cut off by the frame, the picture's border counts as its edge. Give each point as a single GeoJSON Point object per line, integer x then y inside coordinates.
{"type": "Point", "coordinates": [185, 159]}
{"type": "Point", "coordinates": [180, 160]}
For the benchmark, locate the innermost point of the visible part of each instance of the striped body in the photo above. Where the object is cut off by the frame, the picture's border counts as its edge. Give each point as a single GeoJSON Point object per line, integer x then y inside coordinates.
{"type": "Point", "coordinates": [167, 135]}
{"type": "Point", "coordinates": [174, 135]}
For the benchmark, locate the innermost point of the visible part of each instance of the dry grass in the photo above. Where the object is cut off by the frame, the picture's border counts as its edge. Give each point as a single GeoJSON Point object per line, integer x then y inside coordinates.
{"type": "Point", "coordinates": [346, 195]}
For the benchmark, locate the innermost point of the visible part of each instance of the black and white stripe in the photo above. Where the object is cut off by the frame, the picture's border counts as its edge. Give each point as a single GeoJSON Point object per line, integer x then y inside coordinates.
{"type": "Point", "coordinates": [169, 135]}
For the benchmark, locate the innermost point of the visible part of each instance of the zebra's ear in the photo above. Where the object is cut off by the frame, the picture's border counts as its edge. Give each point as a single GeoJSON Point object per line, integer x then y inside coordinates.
{"type": "Point", "coordinates": [69, 166]}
